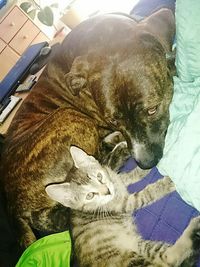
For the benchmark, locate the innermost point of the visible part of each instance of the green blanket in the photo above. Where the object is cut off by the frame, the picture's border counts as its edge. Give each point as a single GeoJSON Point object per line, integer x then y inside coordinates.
{"type": "Point", "coordinates": [50, 251]}
{"type": "Point", "coordinates": [181, 159]}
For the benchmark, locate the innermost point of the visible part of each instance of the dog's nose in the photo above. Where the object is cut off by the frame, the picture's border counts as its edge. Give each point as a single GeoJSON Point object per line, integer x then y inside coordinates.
{"type": "Point", "coordinates": [148, 158]}
{"type": "Point", "coordinates": [147, 165]}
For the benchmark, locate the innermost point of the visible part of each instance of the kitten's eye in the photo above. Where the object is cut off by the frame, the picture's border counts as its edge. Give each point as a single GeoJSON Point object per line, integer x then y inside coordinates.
{"type": "Point", "coordinates": [99, 177]}
{"type": "Point", "coordinates": [152, 111]}
{"type": "Point", "coordinates": [90, 196]}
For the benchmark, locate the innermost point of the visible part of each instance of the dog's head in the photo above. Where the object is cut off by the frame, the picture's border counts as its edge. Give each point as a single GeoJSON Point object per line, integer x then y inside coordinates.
{"type": "Point", "coordinates": [132, 86]}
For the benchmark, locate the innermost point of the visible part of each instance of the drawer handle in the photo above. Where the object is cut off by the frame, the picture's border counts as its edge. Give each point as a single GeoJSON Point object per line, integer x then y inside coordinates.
{"type": "Point", "coordinates": [12, 24]}
{"type": "Point", "coordinates": [25, 36]}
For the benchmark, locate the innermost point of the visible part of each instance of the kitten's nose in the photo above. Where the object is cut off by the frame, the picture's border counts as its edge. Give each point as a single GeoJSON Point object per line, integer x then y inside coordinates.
{"type": "Point", "coordinates": [104, 190]}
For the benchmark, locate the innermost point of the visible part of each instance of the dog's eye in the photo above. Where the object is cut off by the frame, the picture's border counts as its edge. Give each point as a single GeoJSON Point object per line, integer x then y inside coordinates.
{"type": "Point", "coordinates": [152, 111]}
{"type": "Point", "coordinates": [90, 196]}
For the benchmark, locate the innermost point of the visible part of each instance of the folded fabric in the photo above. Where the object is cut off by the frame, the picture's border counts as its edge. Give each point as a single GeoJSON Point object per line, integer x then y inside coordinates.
{"type": "Point", "coordinates": [181, 159]}
{"type": "Point", "coordinates": [188, 39]}
{"type": "Point", "coordinates": [49, 251]}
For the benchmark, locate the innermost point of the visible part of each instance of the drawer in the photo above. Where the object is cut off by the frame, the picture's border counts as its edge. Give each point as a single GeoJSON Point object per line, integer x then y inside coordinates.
{"type": "Point", "coordinates": [11, 24]}
{"type": "Point", "coordinates": [8, 59]}
{"type": "Point", "coordinates": [41, 37]}
{"type": "Point", "coordinates": [2, 45]}
{"type": "Point", "coordinates": [24, 37]}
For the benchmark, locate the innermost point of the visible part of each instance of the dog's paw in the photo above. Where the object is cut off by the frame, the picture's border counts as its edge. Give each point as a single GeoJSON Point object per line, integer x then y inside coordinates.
{"type": "Point", "coordinates": [114, 151]}
{"type": "Point", "coordinates": [111, 140]}
{"type": "Point", "coordinates": [118, 156]}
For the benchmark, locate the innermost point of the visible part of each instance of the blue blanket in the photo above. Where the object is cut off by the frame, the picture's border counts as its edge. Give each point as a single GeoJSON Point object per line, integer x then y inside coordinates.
{"type": "Point", "coordinates": [166, 219]}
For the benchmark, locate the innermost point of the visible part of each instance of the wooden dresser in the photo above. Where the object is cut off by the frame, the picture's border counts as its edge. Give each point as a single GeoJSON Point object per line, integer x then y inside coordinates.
{"type": "Point", "coordinates": [17, 32]}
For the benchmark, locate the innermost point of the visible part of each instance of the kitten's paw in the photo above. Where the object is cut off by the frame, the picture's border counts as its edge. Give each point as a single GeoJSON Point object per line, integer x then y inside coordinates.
{"type": "Point", "coordinates": [168, 185]}
{"type": "Point", "coordinates": [186, 250]}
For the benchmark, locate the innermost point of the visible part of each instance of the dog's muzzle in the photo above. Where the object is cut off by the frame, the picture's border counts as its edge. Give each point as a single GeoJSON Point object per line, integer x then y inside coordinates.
{"type": "Point", "coordinates": [146, 157]}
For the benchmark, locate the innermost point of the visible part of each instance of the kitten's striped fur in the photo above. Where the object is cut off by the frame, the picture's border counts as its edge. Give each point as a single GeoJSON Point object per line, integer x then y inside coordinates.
{"type": "Point", "coordinates": [103, 230]}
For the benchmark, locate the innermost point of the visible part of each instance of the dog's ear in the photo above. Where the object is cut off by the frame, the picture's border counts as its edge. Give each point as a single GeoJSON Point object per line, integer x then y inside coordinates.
{"type": "Point", "coordinates": [77, 78]}
{"type": "Point", "coordinates": [85, 69]}
{"type": "Point", "coordinates": [161, 25]}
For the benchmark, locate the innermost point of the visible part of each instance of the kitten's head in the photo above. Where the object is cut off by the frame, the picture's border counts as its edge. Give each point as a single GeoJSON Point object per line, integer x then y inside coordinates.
{"type": "Point", "coordinates": [95, 190]}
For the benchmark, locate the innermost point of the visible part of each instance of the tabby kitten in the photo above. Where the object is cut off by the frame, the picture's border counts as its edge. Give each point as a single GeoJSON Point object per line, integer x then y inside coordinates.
{"type": "Point", "coordinates": [103, 230]}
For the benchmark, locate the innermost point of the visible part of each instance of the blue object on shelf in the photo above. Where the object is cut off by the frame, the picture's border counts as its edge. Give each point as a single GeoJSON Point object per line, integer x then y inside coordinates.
{"type": "Point", "coordinates": [2, 3]}
{"type": "Point", "coordinates": [20, 70]}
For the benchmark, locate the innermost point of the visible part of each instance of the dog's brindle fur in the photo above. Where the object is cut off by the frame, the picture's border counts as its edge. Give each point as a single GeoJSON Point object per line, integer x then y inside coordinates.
{"type": "Point", "coordinates": [107, 74]}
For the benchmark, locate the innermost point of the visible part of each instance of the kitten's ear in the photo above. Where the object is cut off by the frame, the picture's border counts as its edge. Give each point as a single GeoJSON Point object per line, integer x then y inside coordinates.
{"type": "Point", "coordinates": [80, 158]}
{"type": "Point", "coordinates": [59, 193]}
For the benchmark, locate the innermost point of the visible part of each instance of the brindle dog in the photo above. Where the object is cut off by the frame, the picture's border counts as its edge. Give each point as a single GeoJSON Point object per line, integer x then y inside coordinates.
{"type": "Point", "coordinates": [110, 73]}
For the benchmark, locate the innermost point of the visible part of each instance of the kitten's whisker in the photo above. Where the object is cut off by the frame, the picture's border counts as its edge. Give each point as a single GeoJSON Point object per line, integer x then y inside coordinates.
{"type": "Point", "coordinates": [101, 212]}
{"type": "Point", "coordinates": [94, 212]}
{"type": "Point", "coordinates": [98, 213]}
{"type": "Point", "coordinates": [108, 213]}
